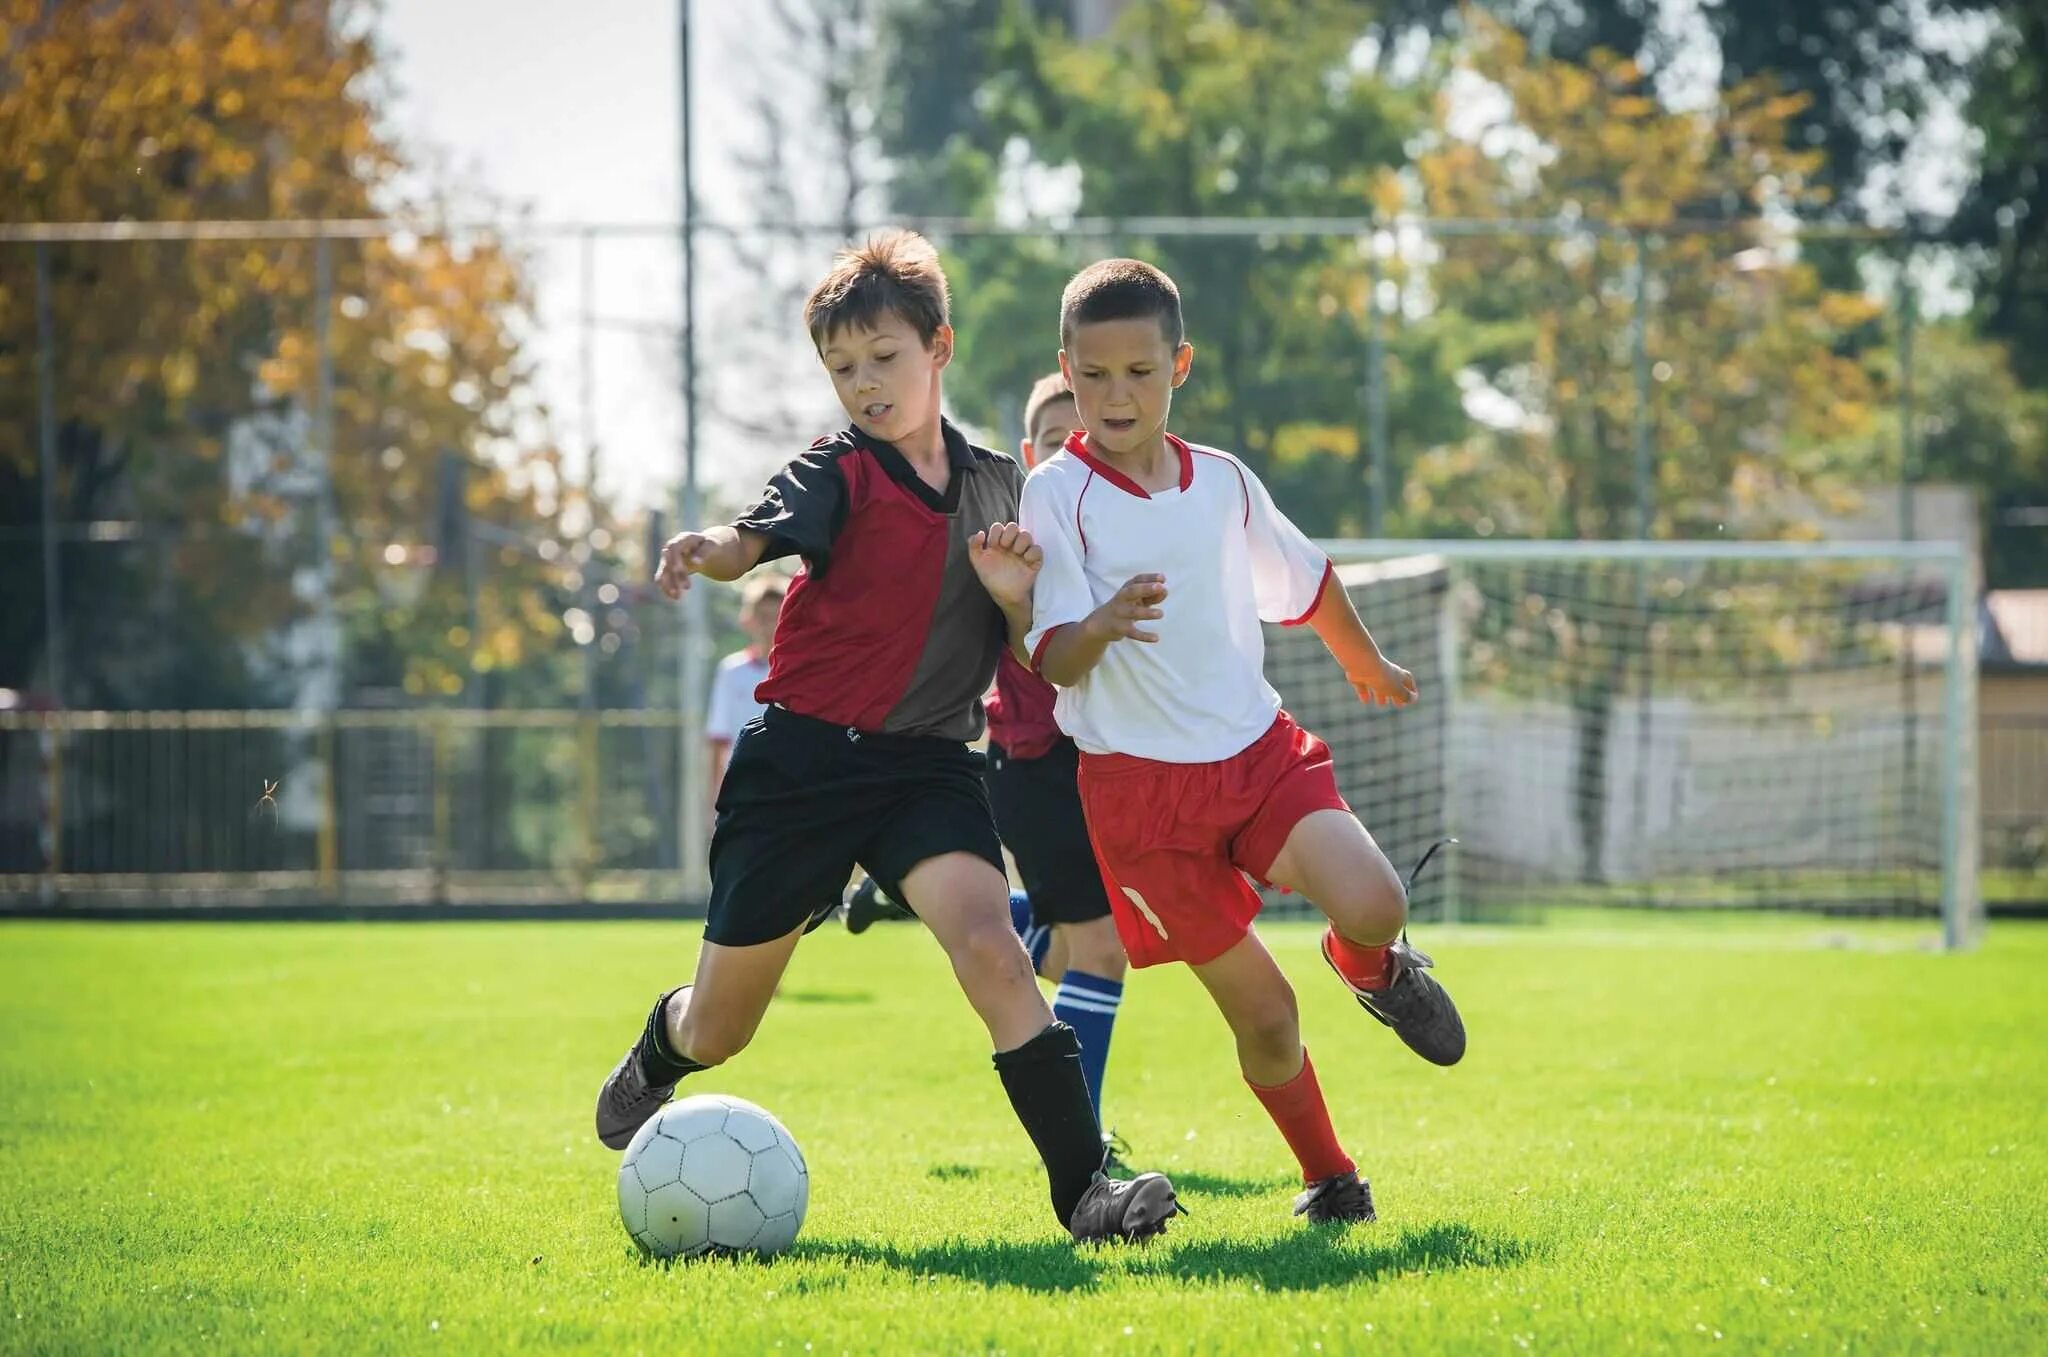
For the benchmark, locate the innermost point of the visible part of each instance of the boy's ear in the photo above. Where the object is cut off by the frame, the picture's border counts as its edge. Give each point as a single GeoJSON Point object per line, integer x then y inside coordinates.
{"type": "Point", "coordinates": [1183, 359]}
{"type": "Point", "coordinates": [1026, 451]}
{"type": "Point", "coordinates": [1067, 373]}
{"type": "Point", "coordinates": [942, 345]}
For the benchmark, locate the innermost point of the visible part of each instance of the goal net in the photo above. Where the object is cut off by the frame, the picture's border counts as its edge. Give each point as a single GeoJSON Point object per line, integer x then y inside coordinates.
{"type": "Point", "coordinates": [1774, 725]}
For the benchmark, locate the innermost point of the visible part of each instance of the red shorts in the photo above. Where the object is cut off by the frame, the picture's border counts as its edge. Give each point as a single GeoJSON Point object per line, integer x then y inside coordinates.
{"type": "Point", "coordinates": [1174, 840]}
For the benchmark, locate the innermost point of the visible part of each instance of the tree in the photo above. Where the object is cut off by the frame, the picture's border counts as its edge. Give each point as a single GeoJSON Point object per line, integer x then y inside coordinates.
{"type": "Point", "coordinates": [1255, 109]}
{"type": "Point", "coordinates": [187, 374]}
{"type": "Point", "coordinates": [2004, 215]}
{"type": "Point", "coordinates": [1764, 397]}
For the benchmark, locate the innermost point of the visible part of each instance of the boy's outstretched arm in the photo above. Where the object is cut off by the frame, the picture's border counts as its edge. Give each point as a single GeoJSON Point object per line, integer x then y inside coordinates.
{"type": "Point", "coordinates": [722, 553]}
{"type": "Point", "coordinates": [1067, 653]}
{"type": "Point", "coordinates": [1377, 680]}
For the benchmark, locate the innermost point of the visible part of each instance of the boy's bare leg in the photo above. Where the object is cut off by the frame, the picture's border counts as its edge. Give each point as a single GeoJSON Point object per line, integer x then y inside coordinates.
{"type": "Point", "coordinates": [705, 1023]}
{"type": "Point", "coordinates": [1258, 1003]}
{"type": "Point", "coordinates": [713, 1019]}
{"type": "Point", "coordinates": [1054, 963]}
{"type": "Point", "coordinates": [1330, 859]}
{"type": "Point", "coordinates": [1092, 947]}
{"type": "Point", "coordinates": [965, 902]}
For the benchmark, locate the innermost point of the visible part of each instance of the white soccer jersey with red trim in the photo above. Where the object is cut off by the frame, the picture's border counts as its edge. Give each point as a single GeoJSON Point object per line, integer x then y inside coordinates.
{"type": "Point", "coordinates": [1231, 560]}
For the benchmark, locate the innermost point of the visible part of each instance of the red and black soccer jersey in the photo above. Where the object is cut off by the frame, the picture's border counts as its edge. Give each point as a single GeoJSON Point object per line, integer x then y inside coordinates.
{"type": "Point", "coordinates": [887, 628]}
{"type": "Point", "coordinates": [1020, 717]}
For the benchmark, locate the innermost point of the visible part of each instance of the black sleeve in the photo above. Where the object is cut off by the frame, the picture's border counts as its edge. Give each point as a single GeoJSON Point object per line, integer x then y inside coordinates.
{"type": "Point", "coordinates": [802, 510]}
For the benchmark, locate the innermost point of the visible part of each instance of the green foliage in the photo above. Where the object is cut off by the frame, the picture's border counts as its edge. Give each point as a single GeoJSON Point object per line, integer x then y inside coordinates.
{"type": "Point", "coordinates": [1184, 109]}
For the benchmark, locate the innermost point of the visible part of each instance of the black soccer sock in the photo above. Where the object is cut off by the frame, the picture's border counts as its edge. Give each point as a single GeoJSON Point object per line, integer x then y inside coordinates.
{"type": "Point", "coordinates": [662, 1064]}
{"type": "Point", "coordinates": [1050, 1094]}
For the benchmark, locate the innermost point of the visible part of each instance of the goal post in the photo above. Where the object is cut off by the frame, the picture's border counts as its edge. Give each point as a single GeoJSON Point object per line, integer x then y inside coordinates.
{"type": "Point", "coordinates": [1767, 725]}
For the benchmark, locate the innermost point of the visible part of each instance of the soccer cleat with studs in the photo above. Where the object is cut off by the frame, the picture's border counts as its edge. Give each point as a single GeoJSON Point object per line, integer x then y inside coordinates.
{"type": "Point", "coordinates": [1127, 1212]}
{"type": "Point", "coordinates": [628, 1097]}
{"type": "Point", "coordinates": [1412, 1002]}
{"type": "Point", "coordinates": [1344, 1199]}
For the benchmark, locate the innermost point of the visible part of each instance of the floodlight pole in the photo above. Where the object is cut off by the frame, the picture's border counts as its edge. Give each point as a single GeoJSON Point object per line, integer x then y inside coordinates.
{"type": "Point", "coordinates": [691, 793]}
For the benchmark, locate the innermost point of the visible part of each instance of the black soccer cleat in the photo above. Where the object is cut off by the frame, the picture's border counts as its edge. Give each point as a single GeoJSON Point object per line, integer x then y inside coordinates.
{"type": "Point", "coordinates": [1344, 1199]}
{"type": "Point", "coordinates": [1412, 1003]}
{"type": "Point", "coordinates": [629, 1097]}
{"type": "Point", "coordinates": [864, 906]}
{"type": "Point", "coordinates": [867, 905]}
{"type": "Point", "coordinates": [1127, 1212]}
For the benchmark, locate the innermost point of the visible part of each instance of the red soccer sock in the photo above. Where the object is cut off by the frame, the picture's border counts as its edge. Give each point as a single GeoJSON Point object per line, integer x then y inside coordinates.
{"type": "Point", "coordinates": [1365, 967]}
{"type": "Point", "coordinates": [1298, 1109]}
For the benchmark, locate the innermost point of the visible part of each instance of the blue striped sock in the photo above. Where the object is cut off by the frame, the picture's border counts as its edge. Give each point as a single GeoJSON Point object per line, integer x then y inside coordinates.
{"type": "Point", "coordinates": [1088, 1003]}
{"type": "Point", "coordinates": [1037, 937]}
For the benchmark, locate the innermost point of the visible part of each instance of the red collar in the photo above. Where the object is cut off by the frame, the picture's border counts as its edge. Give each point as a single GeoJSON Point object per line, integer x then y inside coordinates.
{"type": "Point", "coordinates": [1078, 445]}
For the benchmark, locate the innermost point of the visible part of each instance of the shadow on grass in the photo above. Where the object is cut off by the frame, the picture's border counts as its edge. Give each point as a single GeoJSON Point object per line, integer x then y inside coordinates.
{"type": "Point", "coordinates": [1310, 1260]}
{"type": "Point", "coordinates": [1194, 1186]}
{"type": "Point", "coordinates": [825, 996]}
{"type": "Point", "coordinates": [1323, 1256]}
{"type": "Point", "coordinates": [1046, 1266]}
{"type": "Point", "coordinates": [954, 1172]}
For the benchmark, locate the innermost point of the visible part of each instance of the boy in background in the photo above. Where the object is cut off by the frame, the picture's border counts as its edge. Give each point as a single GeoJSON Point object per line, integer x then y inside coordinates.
{"type": "Point", "coordinates": [733, 703]}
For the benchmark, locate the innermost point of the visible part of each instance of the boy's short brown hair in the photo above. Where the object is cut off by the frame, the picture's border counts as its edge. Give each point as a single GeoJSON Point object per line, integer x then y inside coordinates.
{"type": "Point", "coordinates": [1121, 289]}
{"type": "Point", "coordinates": [1049, 388]}
{"type": "Point", "coordinates": [896, 272]}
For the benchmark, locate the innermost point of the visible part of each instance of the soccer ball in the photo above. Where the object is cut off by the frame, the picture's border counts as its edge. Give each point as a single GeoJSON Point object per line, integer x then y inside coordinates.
{"type": "Point", "coordinates": [713, 1174]}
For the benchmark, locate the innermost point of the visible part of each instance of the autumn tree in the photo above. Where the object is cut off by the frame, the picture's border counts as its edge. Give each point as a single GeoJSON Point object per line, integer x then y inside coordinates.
{"type": "Point", "coordinates": [1764, 385]}
{"type": "Point", "coordinates": [188, 377]}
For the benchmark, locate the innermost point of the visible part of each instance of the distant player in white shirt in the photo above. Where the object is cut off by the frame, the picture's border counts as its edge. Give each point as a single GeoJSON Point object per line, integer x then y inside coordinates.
{"type": "Point", "coordinates": [732, 688]}
{"type": "Point", "coordinates": [1162, 559]}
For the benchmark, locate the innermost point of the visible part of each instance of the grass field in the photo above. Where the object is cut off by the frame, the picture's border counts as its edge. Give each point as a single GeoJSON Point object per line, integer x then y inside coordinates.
{"type": "Point", "coordinates": [376, 1137]}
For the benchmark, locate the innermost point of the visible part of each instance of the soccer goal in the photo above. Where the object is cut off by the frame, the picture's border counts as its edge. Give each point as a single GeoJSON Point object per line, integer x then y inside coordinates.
{"type": "Point", "coordinates": [1785, 726]}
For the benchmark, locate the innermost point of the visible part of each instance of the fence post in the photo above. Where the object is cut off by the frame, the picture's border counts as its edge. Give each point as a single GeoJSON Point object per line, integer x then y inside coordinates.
{"type": "Point", "coordinates": [443, 756]}
{"type": "Point", "coordinates": [52, 742]}
{"type": "Point", "coordinates": [46, 443]}
{"type": "Point", "coordinates": [690, 793]}
{"type": "Point", "coordinates": [327, 842]}
{"type": "Point", "coordinates": [590, 850]}
{"type": "Point", "coordinates": [1639, 342]}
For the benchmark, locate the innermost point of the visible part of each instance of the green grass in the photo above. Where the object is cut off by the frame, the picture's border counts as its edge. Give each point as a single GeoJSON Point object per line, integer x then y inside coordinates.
{"type": "Point", "coordinates": [376, 1138]}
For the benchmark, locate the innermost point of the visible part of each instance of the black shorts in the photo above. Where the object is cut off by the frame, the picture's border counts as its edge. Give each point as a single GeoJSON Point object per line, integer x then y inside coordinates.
{"type": "Point", "coordinates": [803, 801]}
{"type": "Point", "coordinates": [1038, 813]}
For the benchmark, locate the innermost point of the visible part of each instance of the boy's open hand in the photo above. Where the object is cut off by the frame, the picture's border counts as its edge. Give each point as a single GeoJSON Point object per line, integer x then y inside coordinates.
{"type": "Point", "coordinates": [1384, 685]}
{"type": "Point", "coordinates": [1007, 561]}
{"type": "Point", "coordinates": [1138, 601]}
{"type": "Point", "coordinates": [681, 557]}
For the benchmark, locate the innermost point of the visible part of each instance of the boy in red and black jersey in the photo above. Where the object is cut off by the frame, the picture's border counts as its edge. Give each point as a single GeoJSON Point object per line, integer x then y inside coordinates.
{"type": "Point", "coordinates": [886, 643]}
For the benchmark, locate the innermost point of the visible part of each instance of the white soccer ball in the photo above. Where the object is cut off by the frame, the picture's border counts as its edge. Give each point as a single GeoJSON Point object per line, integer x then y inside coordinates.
{"type": "Point", "coordinates": [713, 1174]}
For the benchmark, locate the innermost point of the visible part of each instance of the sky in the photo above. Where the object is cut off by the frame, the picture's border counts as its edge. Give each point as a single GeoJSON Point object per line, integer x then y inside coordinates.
{"type": "Point", "coordinates": [569, 113]}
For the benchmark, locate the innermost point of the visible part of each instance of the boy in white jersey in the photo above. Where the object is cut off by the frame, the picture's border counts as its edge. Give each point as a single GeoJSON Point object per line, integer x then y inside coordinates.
{"type": "Point", "coordinates": [1162, 559]}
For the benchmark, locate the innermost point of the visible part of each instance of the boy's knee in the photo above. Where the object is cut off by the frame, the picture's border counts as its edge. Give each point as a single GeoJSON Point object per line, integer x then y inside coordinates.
{"type": "Point", "coordinates": [1373, 913]}
{"type": "Point", "coordinates": [1272, 1025]}
{"type": "Point", "coordinates": [992, 951]}
{"type": "Point", "coordinates": [1095, 949]}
